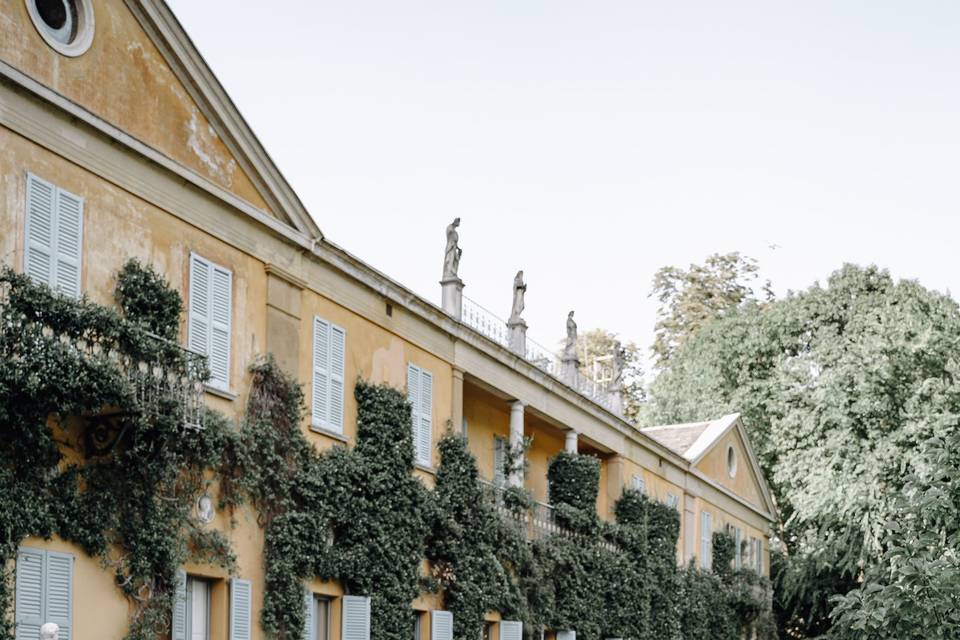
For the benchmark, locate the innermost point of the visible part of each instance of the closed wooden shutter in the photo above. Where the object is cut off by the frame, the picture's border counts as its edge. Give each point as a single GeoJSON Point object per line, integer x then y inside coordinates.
{"type": "Point", "coordinates": [413, 397]}
{"type": "Point", "coordinates": [639, 484]}
{"type": "Point", "coordinates": [706, 541]}
{"type": "Point", "coordinates": [441, 625]}
{"type": "Point", "coordinates": [30, 593]}
{"type": "Point", "coordinates": [355, 618]}
{"type": "Point", "coordinates": [737, 553]}
{"type": "Point", "coordinates": [320, 405]}
{"type": "Point", "coordinates": [220, 322]}
{"type": "Point", "coordinates": [59, 601]}
{"type": "Point", "coordinates": [69, 240]}
{"type": "Point", "coordinates": [337, 364]}
{"type": "Point", "coordinates": [568, 634]}
{"type": "Point", "coordinates": [309, 623]}
{"type": "Point", "coordinates": [210, 311]}
{"type": "Point", "coordinates": [425, 433]}
{"type": "Point", "coordinates": [511, 630]}
{"type": "Point", "coordinates": [178, 626]}
{"type": "Point", "coordinates": [240, 605]}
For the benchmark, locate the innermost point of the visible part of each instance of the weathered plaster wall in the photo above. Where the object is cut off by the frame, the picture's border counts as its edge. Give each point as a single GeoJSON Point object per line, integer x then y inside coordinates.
{"type": "Point", "coordinates": [123, 79]}
{"type": "Point", "coordinates": [714, 465]}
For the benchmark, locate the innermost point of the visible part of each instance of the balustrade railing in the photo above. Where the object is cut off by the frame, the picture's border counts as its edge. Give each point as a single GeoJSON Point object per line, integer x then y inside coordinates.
{"type": "Point", "coordinates": [487, 323]}
{"type": "Point", "coordinates": [164, 377]}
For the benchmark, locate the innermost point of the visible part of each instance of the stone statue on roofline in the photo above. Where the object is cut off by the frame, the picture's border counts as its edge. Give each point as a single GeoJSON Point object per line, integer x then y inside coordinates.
{"type": "Point", "coordinates": [619, 363]}
{"type": "Point", "coordinates": [519, 289]}
{"type": "Point", "coordinates": [570, 348]}
{"type": "Point", "coordinates": [451, 256]}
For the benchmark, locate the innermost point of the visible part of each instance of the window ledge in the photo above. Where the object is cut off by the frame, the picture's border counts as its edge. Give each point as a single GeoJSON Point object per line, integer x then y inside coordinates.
{"type": "Point", "coordinates": [427, 468]}
{"type": "Point", "coordinates": [220, 393]}
{"type": "Point", "coordinates": [330, 434]}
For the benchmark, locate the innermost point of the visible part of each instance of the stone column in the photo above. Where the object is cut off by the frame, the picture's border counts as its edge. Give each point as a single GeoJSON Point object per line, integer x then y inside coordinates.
{"type": "Point", "coordinates": [516, 442]}
{"type": "Point", "coordinates": [570, 442]}
{"type": "Point", "coordinates": [457, 409]}
{"type": "Point", "coordinates": [451, 300]}
{"type": "Point", "coordinates": [518, 337]}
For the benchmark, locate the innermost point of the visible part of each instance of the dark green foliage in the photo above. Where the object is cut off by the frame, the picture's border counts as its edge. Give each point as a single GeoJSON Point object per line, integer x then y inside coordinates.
{"type": "Point", "coordinates": [137, 498]}
{"type": "Point", "coordinates": [723, 552]}
{"type": "Point", "coordinates": [574, 480]}
{"type": "Point", "coordinates": [147, 299]}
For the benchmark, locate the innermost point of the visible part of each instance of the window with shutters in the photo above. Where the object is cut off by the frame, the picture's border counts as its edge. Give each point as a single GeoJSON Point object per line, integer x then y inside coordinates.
{"type": "Point", "coordinates": [706, 540]}
{"type": "Point", "coordinates": [241, 596]}
{"type": "Point", "coordinates": [511, 630]}
{"type": "Point", "coordinates": [737, 548]}
{"type": "Point", "coordinates": [420, 396]}
{"type": "Point", "coordinates": [44, 592]}
{"type": "Point", "coordinates": [316, 617]}
{"type": "Point", "coordinates": [639, 484]}
{"type": "Point", "coordinates": [441, 625]}
{"type": "Point", "coordinates": [329, 349]}
{"type": "Point", "coordinates": [53, 236]}
{"type": "Point", "coordinates": [198, 609]}
{"type": "Point", "coordinates": [355, 618]}
{"type": "Point", "coordinates": [210, 313]}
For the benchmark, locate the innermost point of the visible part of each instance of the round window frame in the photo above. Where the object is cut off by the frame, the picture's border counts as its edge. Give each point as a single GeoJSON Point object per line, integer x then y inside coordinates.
{"type": "Point", "coordinates": [731, 461]}
{"type": "Point", "coordinates": [85, 28]}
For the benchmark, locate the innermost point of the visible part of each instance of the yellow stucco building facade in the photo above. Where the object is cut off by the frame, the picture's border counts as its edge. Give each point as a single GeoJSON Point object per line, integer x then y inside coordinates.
{"type": "Point", "coordinates": [134, 126]}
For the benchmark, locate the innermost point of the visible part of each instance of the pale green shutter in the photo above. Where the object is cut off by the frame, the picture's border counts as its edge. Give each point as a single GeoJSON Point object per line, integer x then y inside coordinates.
{"type": "Point", "coordinates": [499, 461]}
{"type": "Point", "coordinates": [240, 605]}
{"type": "Point", "coordinates": [511, 630]}
{"type": "Point", "coordinates": [220, 320]}
{"type": "Point", "coordinates": [178, 626]}
{"type": "Point", "coordinates": [355, 617]}
{"type": "Point", "coordinates": [30, 594]}
{"type": "Point", "coordinates": [69, 234]}
{"type": "Point", "coordinates": [309, 624]}
{"type": "Point", "coordinates": [568, 634]}
{"type": "Point", "coordinates": [39, 259]}
{"type": "Point", "coordinates": [337, 357]}
{"type": "Point", "coordinates": [425, 434]}
{"type": "Point", "coordinates": [320, 404]}
{"type": "Point", "coordinates": [441, 625]}
{"type": "Point", "coordinates": [59, 592]}
{"type": "Point", "coordinates": [738, 554]}
{"type": "Point", "coordinates": [198, 323]}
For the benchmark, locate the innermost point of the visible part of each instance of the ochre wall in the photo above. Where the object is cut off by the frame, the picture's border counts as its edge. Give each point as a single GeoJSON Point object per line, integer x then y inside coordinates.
{"type": "Point", "coordinates": [487, 416]}
{"type": "Point", "coordinates": [714, 465]}
{"type": "Point", "coordinates": [123, 79]}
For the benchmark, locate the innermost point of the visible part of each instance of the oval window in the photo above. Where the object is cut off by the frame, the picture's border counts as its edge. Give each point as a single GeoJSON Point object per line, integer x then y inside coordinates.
{"type": "Point", "coordinates": [65, 25]}
{"type": "Point", "coordinates": [731, 461]}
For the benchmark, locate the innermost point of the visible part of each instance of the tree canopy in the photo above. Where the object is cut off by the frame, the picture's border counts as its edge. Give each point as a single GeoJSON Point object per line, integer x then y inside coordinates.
{"type": "Point", "coordinates": [595, 349]}
{"type": "Point", "coordinates": [840, 387]}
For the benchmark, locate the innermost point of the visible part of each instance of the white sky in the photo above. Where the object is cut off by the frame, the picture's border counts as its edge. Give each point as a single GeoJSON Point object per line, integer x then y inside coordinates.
{"type": "Point", "coordinates": [591, 143]}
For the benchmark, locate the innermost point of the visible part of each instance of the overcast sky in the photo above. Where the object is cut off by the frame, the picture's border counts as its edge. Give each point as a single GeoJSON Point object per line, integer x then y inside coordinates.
{"type": "Point", "coordinates": [591, 143]}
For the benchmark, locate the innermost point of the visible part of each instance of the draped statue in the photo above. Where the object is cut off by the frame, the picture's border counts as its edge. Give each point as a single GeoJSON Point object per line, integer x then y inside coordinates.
{"type": "Point", "coordinates": [570, 349]}
{"type": "Point", "coordinates": [519, 289]}
{"type": "Point", "coordinates": [451, 256]}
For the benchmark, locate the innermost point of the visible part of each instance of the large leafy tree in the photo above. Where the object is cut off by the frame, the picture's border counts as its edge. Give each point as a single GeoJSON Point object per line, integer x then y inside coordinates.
{"type": "Point", "coordinates": [839, 386]}
{"type": "Point", "coordinates": [690, 298]}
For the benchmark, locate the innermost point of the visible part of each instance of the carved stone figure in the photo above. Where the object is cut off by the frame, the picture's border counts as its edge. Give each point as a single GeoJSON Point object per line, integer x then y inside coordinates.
{"type": "Point", "coordinates": [50, 631]}
{"type": "Point", "coordinates": [451, 256]}
{"type": "Point", "coordinates": [619, 362]}
{"type": "Point", "coordinates": [570, 349]}
{"type": "Point", "coordinates": [519, 289]}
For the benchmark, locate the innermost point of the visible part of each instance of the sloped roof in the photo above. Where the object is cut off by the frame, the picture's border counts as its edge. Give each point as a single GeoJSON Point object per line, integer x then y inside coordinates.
{"type": "Point", "coordinates": [677, 437]}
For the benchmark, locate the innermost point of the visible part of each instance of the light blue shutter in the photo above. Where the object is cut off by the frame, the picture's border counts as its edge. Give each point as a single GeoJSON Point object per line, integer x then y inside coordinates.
{"type": "Point", "coordinates": [178, 626]}
{"type": "Point", "coordinates": [198, 325]}
{"type": "Point", "coordinates": [240, 604]}
{"type": "Point", "coordinates": [320, 406]}
{"type": "Point", "coordinates": [40, 219]}
{"type": "Point", "coordinates": [425, 434]}
{"type": "Point", "coordinates": [568, 634]}
{"type": "Point", "coordinates": [30, 593]}
{"type": "Point", "coordinates": [355, 618]}
{"type": "Point", "coordinates": [69, 234]}
{"type": "Point", "coordinates": [222, 295]}
{"type": "Point", "coordinates": [705, 540]}
{"type": "Point", "coordinates": [441, 625]}
{"type": "Point", "coordinates": [413, 397]}
{"type": "Point", "coordinates": [511, 630]}
{"type": "Point", "coordinates": [337, 357]}
{"type": "Point", "coordinates": [309, 626]}
{"type": "Point", "coordinates": [738, 554]}
{"type": "Point", "coordinates": [59, 592]}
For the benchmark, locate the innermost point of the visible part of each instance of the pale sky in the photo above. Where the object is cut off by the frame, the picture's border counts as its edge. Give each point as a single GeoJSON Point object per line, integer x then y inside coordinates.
{"type": "Point", "coordinates": [591, 143]}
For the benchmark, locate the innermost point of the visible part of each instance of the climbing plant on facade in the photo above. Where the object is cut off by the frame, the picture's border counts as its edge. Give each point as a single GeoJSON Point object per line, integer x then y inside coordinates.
{"type": "Point", "coordinates": [76, 376]}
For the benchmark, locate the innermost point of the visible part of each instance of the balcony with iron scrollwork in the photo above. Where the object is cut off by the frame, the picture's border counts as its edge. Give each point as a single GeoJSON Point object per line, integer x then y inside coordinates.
{"type": "Point", "coordinates": [158, 377]}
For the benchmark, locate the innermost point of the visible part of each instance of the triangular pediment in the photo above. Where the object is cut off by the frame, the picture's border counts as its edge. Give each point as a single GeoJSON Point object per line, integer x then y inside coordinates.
{"type": "Point", "coordinates": [142, 75]}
